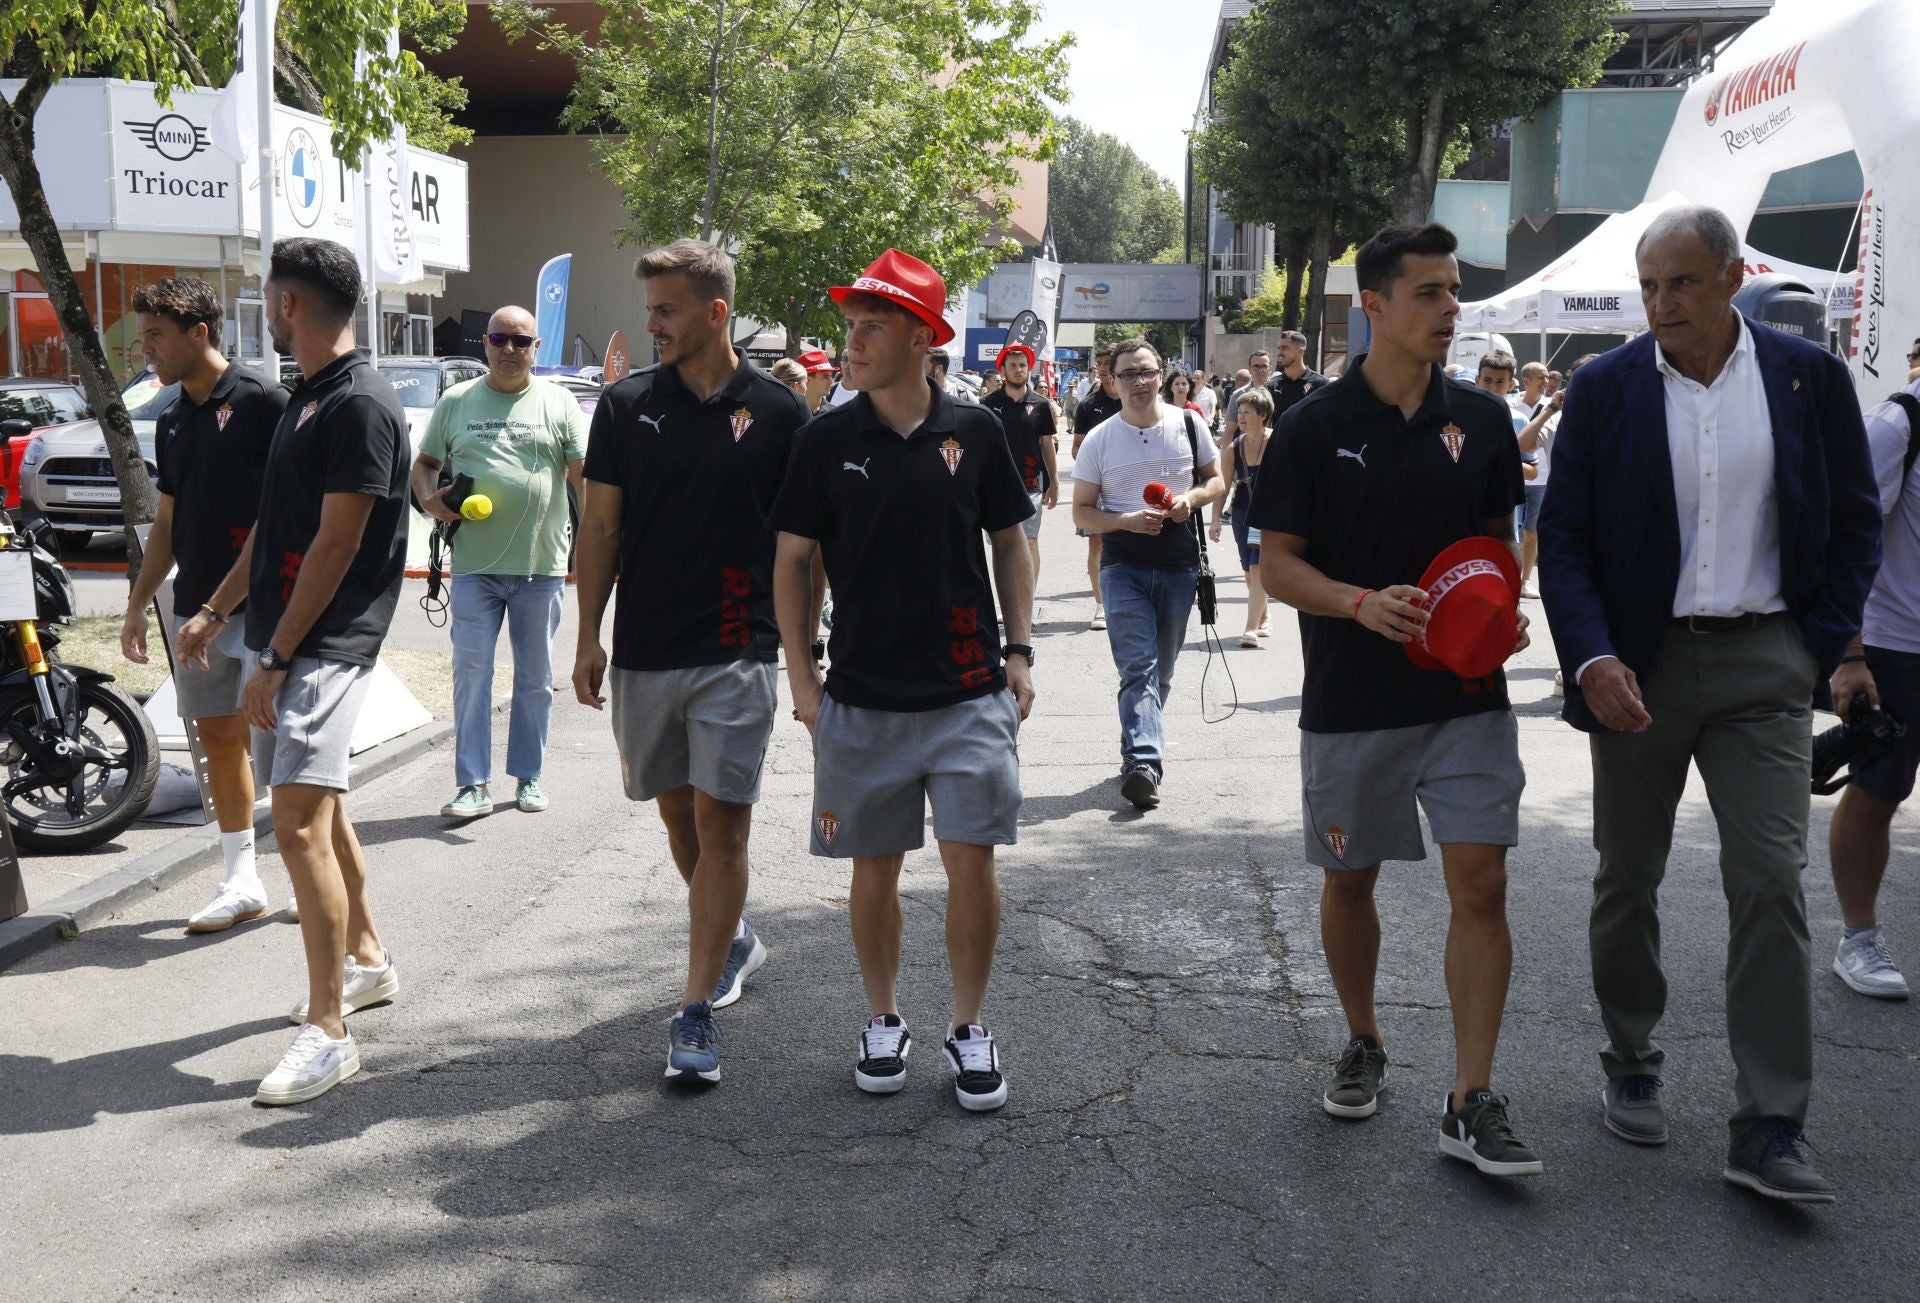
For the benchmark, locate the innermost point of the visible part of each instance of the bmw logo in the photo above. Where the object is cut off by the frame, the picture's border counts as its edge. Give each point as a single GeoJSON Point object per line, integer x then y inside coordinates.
{"type": "Point", "coordinates": [554, 292]}
{"type": "Point", "coordinates": [304, 160]}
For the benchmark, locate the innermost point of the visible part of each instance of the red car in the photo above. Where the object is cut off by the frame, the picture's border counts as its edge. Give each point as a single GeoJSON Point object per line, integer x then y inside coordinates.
{"type": "Point", "coordinates": [44, 403]}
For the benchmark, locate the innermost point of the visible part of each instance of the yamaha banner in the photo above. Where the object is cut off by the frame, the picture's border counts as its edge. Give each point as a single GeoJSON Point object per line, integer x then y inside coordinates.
{"type": "Point", "coordinates": [550, 310]}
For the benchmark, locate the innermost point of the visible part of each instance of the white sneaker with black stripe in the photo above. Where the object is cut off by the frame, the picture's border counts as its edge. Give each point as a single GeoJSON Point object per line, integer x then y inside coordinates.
{"type": "Point", "coordinates": [974, 1061]}
{"type": "Point", "coordinates": [884, 1046]}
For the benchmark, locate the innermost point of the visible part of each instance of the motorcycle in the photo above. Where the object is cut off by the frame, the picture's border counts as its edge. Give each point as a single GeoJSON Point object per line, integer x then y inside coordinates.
{"type": "Point", "coordinates": [78, 755]}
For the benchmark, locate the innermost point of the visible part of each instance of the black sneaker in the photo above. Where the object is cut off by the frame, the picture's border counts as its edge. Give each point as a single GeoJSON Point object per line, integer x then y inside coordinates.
{"type": "Point", "coordinates": [1358, 1079]}
{"type": "Point", "coordinates": [1632, 1110]}
{"type": "Point", "coordinates": [1140, 786]}
{"type": "Point", "coordinates": [1479, 1133]}
{"type": "Point", "coordinates": [884, 1045]}
{"type": "Point", "coordinates": [974, 1061]}
{"type": "Point", "coordinates": [1770, 1158]}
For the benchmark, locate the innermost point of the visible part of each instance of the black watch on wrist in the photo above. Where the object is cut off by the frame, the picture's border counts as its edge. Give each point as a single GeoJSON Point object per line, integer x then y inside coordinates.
{"type": "Point", "coordinates": [1018, 649]}
{"type": "Point", "coordinates": [271, 660]}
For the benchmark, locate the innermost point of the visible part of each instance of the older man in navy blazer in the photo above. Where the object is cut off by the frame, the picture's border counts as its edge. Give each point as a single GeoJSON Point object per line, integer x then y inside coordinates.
{"type": "Point", "coordinates": [1705, 553]}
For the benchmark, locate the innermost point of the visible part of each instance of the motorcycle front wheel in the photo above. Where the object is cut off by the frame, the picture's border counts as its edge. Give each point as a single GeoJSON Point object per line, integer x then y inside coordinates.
{"type": "Point", "coordinates": [109, 794]}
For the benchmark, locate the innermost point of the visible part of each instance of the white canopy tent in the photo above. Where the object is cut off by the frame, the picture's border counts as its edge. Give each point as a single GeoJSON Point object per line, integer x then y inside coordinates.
{"type": "Point", "coordinates": [1593, 288]}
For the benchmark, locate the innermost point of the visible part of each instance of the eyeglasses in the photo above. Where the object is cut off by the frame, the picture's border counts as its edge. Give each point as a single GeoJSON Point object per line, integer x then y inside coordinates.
{"type": "Point", "coordinates": [500, 339]}
{"type": "Point", "coordinates": [1137, 377]}
{"type": "Point", "coordinates": [1914, 356]}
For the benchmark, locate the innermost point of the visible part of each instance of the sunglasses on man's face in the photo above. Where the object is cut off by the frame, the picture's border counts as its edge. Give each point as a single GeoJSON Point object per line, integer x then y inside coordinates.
{"type": "Point", "coordinates": [1914, 356]}
{"type": "Point", "coordinates": [500, 339]}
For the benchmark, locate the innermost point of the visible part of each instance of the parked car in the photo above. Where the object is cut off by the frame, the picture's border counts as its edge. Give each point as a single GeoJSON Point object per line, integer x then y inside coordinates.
{"type": "Point", "coordinates": [421, 380]}
{"type": "Point", "coordinates": [585, 392]}
{"type": "Point", "coordinates": [67, 477]}
{"type": "Point", "coordinates": [47, 405]}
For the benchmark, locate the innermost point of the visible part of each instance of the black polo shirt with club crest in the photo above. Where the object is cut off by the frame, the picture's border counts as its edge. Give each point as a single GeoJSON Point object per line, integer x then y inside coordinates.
{"type": "Point", "coordinates": [212, 458]}
{"type": "Point", "coordinates": [1027, 422]}
{"type": "Point", "coordinates": [1378, 497]}
{"type": "Point", "coordinates": [697, 481]}
{"type": "Point", "coordinates": [899, 521]}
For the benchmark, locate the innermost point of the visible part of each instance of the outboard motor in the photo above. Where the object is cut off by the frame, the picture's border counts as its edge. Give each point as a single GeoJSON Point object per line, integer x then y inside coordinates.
{"type": "Point", "coordinates": [1786, 303]}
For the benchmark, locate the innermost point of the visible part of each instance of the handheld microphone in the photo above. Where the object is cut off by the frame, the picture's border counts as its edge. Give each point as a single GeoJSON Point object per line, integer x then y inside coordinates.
{"type": "Point", "coordinates": [1158, 496]}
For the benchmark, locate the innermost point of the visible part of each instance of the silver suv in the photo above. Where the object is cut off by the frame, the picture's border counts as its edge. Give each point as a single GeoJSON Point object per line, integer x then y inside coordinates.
{"type": "Point", "coordinates": [66, 476]}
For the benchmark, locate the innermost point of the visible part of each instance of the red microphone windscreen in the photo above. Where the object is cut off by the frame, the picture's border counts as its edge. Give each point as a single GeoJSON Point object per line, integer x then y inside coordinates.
{"type": "Point", "coordinates": [1158, 496]}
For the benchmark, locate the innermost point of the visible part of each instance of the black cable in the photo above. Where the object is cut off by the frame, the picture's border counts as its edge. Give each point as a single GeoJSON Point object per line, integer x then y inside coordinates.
{"type": "Point", "coordinates": [431, 601]}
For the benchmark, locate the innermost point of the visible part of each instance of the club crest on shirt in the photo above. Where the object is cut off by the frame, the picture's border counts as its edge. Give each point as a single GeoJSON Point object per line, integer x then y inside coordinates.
{"type": "Point", "coordinates": [222, 415]}
{"type": "Point", "coordinates": [950, 453]}
{"type": "Point", "coordinates": [1451, 436]}
{"type": "Point", "coordinates": [306, 414]}
{"type": "Point", "coordinates": [1338, 841]}
{"type": "Point", "coordinates": [829, 827]}
{"type": "Point", "coordinates": [741, 419]}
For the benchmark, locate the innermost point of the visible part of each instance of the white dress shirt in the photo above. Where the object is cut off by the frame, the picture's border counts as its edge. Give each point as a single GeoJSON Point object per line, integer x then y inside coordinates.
{"type": "Point", "coordinates": [1721, 441]}
{"type": "Point", "coordinates": [1893, 607]}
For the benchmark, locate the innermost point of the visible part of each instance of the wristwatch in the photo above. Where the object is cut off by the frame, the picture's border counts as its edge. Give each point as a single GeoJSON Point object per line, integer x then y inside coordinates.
{"type": "Point", "coordinates": [271, 660]}
{"type": "Point", "coordinates": [1018, 649]}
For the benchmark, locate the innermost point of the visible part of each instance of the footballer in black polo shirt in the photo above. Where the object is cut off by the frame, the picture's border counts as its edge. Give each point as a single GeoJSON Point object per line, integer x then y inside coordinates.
{"type": "Point", "coordinates": [1368, 480]}
{"type": "Point", "coordinates": [920, 707]}
{"type": "Point", "coordinates": [683, 462]}
{"type": "Point", "coordinates": [1292, 379]}
{"type": "Point", "coordinates": [211, 446]}
{"type": "Point", "coordinates": [1032, 424]}
{"type": "Point", "coordinates": [327, 558]}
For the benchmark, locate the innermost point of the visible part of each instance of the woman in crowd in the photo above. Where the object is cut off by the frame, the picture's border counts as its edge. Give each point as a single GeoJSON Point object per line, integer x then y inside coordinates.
{"type": "Point", "coordinates": [791, 374]}
{"type": "Point", "coordinates": [1241, 467]}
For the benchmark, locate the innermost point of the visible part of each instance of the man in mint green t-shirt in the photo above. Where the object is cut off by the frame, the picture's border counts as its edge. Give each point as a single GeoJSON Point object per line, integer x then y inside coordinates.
{"type": "Point", "coordinates": [521, 438]}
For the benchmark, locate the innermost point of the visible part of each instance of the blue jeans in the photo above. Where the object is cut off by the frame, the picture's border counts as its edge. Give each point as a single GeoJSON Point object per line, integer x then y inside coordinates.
{"type": "Point", "coordinates": [1147, 612]}
{"type": "Point", "coordinates": [531, 605]}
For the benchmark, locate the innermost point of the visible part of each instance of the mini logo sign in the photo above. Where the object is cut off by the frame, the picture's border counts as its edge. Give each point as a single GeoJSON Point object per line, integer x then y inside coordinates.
{"type": "Point", "coordinates": [306, 414]}
{"type": "Point", "coordinates": [171, 136]}
{"type": "Point", "coordinates": [829, 827]}
{"type": "Point", "coordinates": [1454, 439]}
{"type": "Point", "coordinates": [741, 419]}
{"type": "Point", "coordinates": [225, 414]}
{"type": "Point", "coordinates": [950, 452]}
{"type": "Point", "coordinates": [1337, 840]}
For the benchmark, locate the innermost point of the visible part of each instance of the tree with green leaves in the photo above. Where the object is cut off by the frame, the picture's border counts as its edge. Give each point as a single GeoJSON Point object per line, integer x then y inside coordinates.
{"type": "Point", "coordinates": [1428, 70]}
{"type": "Point", "coordinates": [175, 44]}
{"type": "Point", "coordinates": [811, 135]}
{"type": "Point", "coordinates": [1106, 203]}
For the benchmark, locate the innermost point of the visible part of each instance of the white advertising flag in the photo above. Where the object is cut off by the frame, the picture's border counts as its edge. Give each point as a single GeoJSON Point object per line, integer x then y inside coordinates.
{"type": "Point", "coordinates": [236, 119]}
{"type": "Point", "coordinates": [396, 253]}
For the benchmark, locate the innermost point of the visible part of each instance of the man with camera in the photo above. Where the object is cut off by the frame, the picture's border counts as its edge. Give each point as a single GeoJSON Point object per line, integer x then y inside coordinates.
{"type": "Point", "coordinates": [516, 440]}
{"type": "Point", "coordinates": [1883, 665]}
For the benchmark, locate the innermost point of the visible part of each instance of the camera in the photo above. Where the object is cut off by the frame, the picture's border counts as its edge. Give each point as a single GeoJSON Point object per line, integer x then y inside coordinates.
{"type": "Point", "coordinates": [1865, 732]}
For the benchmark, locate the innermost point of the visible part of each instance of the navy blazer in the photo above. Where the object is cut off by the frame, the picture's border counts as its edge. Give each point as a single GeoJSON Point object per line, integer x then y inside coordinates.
{"type": "Point", "coordinates": [1610, 532]}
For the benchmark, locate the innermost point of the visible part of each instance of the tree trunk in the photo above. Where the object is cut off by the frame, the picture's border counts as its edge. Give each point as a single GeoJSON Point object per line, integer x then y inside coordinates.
{"type": "Point", "coordinates": [1296, 269]}
{"type": "Point", "coordinates": [42, 236]}
{"type": "Point", "coordinates": [1427, 134]}
{"type": "Point", "coordinates": [1322, 252]}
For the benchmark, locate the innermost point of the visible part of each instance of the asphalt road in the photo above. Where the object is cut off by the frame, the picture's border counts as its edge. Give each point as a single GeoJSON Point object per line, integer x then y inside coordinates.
{"type": "Point", "coordinates": [1161, 1001]}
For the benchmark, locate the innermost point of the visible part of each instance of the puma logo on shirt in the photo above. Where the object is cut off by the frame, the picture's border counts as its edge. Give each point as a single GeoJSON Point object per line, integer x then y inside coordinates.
{"type": "Point", "coordinates": [649, 420]}
{"type": "Point", "coordinates": [858, 466]}
{"type": "Point", "coordinates": [1360, 456]}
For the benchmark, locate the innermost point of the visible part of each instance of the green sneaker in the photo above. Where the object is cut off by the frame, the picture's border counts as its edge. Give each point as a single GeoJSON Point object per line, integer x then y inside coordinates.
{"type": "Point", "coordinates": [470, 802]}
{"type": "Point", "coordinates": [529, 797]}
{"type": "Point", "coordinates": [1479, 1133]}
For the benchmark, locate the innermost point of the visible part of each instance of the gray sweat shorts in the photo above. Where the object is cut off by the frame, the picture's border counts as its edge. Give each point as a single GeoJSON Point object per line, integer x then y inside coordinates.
{"type": "Point", "coordinates": [1031, 525]}
{"type": "Point", "coordinates": [1364, 791]}
{"type": "Point", "coordinates": [875, 771]}
{"type": "Point", "coordinates": [706, 725]}
{"type": "Point", "coordinates": [202, 694]}
{"type": "Point", "coordinates": [313, 742]}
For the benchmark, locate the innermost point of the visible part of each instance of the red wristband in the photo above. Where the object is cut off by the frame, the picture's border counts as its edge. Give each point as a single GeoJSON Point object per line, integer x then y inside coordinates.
{"type": "Point", "coordinates": [1365, 593]}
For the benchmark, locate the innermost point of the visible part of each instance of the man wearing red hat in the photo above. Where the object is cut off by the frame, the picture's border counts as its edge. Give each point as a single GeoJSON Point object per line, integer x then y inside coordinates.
{"type": "Point", "coordinates": [895, 489]}
{"type": "Point", "coordinates": [1394, 471]}
{"type": "Point", "coordinates": [1032, 423]}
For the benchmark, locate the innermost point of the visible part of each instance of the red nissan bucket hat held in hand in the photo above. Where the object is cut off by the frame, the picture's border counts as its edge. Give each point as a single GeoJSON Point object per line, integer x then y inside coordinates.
{"type": "Point", "coordinates": [1473, 605]}
{"type": "Point", "coordinates": [903, 279]}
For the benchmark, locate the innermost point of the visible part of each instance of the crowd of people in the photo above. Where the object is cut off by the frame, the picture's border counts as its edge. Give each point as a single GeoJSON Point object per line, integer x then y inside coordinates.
{"type": "Point", "coordinates": [1710, 560]}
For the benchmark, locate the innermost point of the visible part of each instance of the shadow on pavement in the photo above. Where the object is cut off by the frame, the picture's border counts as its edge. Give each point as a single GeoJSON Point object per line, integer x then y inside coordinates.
{"type": "Point", "coordinates": [42, 1095]}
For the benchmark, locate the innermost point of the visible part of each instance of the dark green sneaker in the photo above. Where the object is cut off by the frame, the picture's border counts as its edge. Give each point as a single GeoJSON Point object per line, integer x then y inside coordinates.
{"type": "Point", "coordinates": [1358, 1079]}
{"type": "Point", "coordinates": [1770, 1158]}
{"type": "Point", "coordinates": [1479, 1133]}
{"type": "Point", "coordinates": [1632, 1110]}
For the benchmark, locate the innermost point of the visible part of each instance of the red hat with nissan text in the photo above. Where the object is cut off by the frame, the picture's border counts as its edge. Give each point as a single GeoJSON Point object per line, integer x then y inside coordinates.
{"type": "Point", "coordinates": [903, 279]}
{"type": "Point", "coordinates": [1473, 604]}
{"type": "Point", "coordinates": [815, 360]}
{"type": "Point", "coordinates": [1000, 362]}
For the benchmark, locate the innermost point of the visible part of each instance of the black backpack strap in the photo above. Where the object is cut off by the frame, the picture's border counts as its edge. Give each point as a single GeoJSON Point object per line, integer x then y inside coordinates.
{"type": "Point", "coordinates": [1193, 517]}
{"type": "Point", "coordinates": [1911, 406]}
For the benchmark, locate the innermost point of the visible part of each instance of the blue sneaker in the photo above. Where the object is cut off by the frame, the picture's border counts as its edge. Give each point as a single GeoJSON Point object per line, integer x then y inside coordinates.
{"type": "Point", "coordinates": [693, 1044]}
{"type": "Point", "coordinates": [744, 956]}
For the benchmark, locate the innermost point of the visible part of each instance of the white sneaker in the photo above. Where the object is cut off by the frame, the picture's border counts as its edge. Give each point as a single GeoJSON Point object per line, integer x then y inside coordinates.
{"type": "Point", "coordinates": [293, 909]}
{"type": "Point", "coordinates": [362, 987]}
{"type": "Point", "coordinates": [1864, 964]}
{"type": "Point", "coordinates": [1529, 593]}
{"type": "Point", "coordinates": [1099, 617]}
{"type": "Point", "coordinates": [231, 904]}
{"type": "Point", "coordinates": [314, 1065]}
